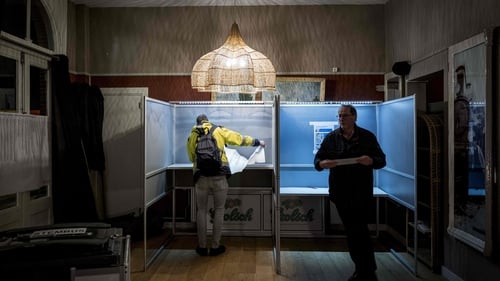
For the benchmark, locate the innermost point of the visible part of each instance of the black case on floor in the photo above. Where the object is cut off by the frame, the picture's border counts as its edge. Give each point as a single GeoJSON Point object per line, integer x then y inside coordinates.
{"type": "Point", "coordinates": [55, 252]}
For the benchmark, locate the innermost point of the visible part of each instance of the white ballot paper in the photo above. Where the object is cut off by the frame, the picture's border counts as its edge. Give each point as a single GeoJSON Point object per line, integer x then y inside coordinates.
{"type": "Point", "coordinates": [258, 156]}
{"type": "Point", "coordinates": [347, 161]}
{"type": "Point", "coordinates": [236, 162]}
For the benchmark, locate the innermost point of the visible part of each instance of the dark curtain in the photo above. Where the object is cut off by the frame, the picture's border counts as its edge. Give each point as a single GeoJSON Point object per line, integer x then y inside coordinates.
{"type": "Point", "coordinates": [91, 113]}
{"type": "Point", "coordinates": [73, 200]}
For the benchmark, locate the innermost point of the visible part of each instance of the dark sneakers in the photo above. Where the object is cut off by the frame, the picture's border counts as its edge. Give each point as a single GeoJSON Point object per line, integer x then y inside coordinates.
{"type": "Point", "coordinates": [217, 251]}
{"type": "Point", "coordinates": [213, 252]}
{"type": "Point", "coordinates": [202, 251]}
{"type": "Point", "coordinates": [363, 277]}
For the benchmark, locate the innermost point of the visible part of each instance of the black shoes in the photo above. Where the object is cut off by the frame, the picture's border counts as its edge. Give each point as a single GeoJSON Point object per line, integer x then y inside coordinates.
{"type": "Point", "coordinates": [363, 277]}
{"type": "Point", "coordinates": [202, 251]}
{"type": "Point", "coordinates": [213, 252]}
{"type": "Point", "coordinates": [217, 251]}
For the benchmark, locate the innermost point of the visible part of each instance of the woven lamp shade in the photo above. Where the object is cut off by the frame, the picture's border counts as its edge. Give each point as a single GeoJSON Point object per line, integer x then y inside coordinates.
{"type": "Point", "coordinates": [233, 68]}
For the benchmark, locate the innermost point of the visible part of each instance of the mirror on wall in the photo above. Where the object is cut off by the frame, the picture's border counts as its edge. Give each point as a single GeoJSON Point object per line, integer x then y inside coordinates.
{"type": "Point", "coordinates": [470, 141]}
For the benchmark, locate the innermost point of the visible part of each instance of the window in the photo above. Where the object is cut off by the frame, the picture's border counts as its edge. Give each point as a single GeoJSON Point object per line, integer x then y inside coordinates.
{"type": "Point", "coordinates": [13, 15]}
{"type": "Point", "coordinates": [8, 78]}
{"type": "Point", "coordinates": [24, 57]}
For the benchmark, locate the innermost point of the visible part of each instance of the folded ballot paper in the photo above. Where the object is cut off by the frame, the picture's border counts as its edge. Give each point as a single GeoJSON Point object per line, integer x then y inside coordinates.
{"type": "Point", "coordinates": [347, 161]}
{"type": "Point", "coordinates": [258, 156]}
{"type": "Point", "coordinates": [237, 162]}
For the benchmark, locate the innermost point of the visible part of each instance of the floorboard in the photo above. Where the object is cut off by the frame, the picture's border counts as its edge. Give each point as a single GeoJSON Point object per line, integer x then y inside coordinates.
{"type": "Point", "coordinates": [251, 259]}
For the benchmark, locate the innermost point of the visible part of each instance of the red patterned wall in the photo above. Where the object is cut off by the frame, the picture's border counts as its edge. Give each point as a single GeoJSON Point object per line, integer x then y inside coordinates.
{"type": "Point", "coordinates": [341, 87]}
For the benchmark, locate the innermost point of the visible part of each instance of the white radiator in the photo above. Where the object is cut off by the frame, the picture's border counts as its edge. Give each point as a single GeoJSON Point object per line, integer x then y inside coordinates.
{"type": "Point", "coordinates": [24, 152]}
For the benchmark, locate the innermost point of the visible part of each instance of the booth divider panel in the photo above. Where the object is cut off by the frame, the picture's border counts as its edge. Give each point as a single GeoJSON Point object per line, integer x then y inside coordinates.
{"type": "Point", "coordinates": [396, 134]}
{"type": "Point", "coordinates": [254, 120]}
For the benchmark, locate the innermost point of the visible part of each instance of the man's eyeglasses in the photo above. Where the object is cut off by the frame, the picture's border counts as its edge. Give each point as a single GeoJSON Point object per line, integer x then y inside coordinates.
{"type": "Point", "coordinates": [343, 115]}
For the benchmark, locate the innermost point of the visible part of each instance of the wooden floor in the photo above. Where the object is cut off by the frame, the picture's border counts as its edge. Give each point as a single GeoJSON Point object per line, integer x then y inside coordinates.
{"type": "Point", "coordinates": [251, 259]}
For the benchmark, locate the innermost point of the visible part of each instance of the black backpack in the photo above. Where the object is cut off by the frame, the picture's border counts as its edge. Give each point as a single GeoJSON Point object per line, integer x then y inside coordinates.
{"type": "Point", "coordinates": [208, 158]}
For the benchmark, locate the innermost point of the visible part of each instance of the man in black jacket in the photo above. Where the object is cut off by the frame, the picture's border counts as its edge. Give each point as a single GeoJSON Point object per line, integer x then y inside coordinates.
{"type": "Point", "coordinates": [351, 153]}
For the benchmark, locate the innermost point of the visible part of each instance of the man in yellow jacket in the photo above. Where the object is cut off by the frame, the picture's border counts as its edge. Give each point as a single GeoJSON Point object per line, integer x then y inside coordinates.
{"type": "Point", "coordinates": [217, 183]}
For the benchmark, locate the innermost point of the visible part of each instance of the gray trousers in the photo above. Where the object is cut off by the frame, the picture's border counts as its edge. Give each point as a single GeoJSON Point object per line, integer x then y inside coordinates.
{"type": "Point", "coordinates": [217, 186]}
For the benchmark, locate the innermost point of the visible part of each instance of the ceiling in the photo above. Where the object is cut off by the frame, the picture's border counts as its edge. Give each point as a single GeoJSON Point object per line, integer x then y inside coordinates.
{"type": "Point", "coordinates": [167, 3]}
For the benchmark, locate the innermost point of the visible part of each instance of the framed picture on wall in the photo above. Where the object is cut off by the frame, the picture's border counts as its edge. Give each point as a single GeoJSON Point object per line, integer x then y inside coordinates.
{"type": "Point", "coordinates": [470, 141]}
{"type": "Point", "coordinates": [297, 89]}
{"type": "Point", "coordinates": [234, 97]}
{"type": "Point", "coordinates": [290, 89]}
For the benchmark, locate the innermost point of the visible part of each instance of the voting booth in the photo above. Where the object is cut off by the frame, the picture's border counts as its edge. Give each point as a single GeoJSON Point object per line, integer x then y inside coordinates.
{"type": "Point", "coordinates": [280, 193]}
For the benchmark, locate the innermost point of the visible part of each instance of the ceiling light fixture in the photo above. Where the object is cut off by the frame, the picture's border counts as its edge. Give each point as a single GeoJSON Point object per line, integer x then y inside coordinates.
{"type": "Point", "coordinates": [233, 68]}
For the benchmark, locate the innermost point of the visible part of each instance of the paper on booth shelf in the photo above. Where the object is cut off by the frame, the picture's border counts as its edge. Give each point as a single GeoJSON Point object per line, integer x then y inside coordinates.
{"type": "Point", "coordinates": [236, 162]}
{"type": "Point", "coordinates": [347, 161]}
{"type": "Point", "coordinates": [258, 156]}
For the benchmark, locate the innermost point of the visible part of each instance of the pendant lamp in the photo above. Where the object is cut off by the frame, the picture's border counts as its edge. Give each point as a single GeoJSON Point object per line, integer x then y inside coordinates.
{"type": "Point", "coordinates": [233, 68]}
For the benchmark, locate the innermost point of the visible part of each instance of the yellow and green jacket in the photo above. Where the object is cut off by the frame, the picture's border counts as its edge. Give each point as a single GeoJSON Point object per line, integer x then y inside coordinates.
{"type": "Point", "coordinates": [222, 136]}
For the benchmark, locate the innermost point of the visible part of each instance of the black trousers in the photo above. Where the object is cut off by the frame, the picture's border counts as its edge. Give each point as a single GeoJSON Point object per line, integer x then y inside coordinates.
{"type": "Point", "coordinates": [355, 215]}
